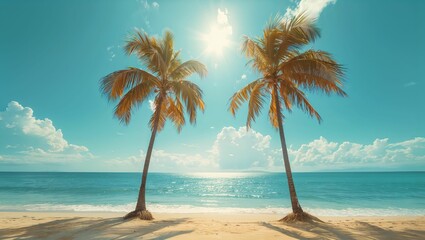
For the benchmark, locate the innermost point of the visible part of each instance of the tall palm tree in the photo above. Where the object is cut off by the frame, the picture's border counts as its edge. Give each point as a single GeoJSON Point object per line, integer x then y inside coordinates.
{"type": "Point", "coordinates": [286, 72]}
{"type": "Point", "coordinates": [165, 78]}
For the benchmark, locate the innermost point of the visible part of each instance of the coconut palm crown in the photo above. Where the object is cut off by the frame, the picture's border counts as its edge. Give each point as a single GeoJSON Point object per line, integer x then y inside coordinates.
{"type": "Point", "coordinates": [286, 72]}
{"type": "Point", "coordinates": [164, 79]}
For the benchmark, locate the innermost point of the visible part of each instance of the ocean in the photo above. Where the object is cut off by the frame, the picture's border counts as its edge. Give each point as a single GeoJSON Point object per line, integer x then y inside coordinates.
{"type": "Point", "coordinates": [323, 194]}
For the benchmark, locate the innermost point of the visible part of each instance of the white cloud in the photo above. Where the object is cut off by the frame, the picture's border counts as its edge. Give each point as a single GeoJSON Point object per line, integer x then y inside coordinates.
{"type": "Point", "coordinates": [223, 21]}
{"type": "Point", "coordinates": [222, 16]}
{"type": "Point", "coordinates": [312, 8]}
{"type": "Point", "coordinates": [322, 154]}
{"type": "Point", "coordinates": [241, 149]}
{"type": "Point", "coordinates": [243, 77]}
{"type": "Point", "coordinates": [155, 5]}
{"type": "Point", "coordinates": [189, 145]}
{"type": "Point", "coordinates": [233, 149]}
{"type": "Point", "coordinates": [165, 161]}
{"type": "Point", "coordinates": [147, 6]}
{"type": "Point", "coordinates": [410, 84]}
{"type": "Point", "coordinates": [152, 105]}
{"type": "Point", "coordinates": [145, 11]}
{"type": "Point", "coordinates": [170, 161]}
{"type": "Point", "coordinates": [30, 139]}
{"type": "Point", "coordinates": [238, 149]}
{"type": "Point", "coordinates": [111, 53]}
{"type": "Point", "coordinates": [147, 22]}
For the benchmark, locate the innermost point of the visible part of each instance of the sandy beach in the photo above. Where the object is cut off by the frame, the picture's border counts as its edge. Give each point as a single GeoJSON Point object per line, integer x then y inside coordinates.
{"type": "Point", "coordinates": [81, 225]}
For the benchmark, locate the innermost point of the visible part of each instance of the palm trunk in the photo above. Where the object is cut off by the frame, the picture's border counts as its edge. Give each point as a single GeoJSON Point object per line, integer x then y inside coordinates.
{"type": "Point", "coordinates": [141, 210]}
{"type": "Point", "coordinates": [296, 207]}
{"type": "Point", "coordinates": [141, 200]}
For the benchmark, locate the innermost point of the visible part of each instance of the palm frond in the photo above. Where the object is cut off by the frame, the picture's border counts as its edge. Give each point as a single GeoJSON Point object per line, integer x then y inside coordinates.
{"type": "Point", "coordinates": [164, 76]}
{"type": "Point", "coordinates": [315, 71]}
{"type": "Point", "coordinates": [296, 33]}
{"type": "Point", "coordinates": [241, 96]}
{"type": "Point", "coordinates": [175, 112]}
{"type": "Point", "coordinates": [254, 50]}
{"type": "Point", "coordinates": [148, 51]}
{"type": "Point", "coordinates": [191, 95]}
{"type": "Point", "coordinates": [291, 95]}
{"type": "Point", "coordinates": [255, 103]}
{"type": "Point", "coordinates": [160, 112]}
{"type": "Point", "coordinates": [116, 83]}
{"type": "Point", "coordinates": [132, 98]}
{"type": "Point", "coordinates": [188, 68]}
{"type": "Point", "coordinates": [272, 40]}
{"type": "Point", "coordinates": [276, 55]}
{"type": "Point", "coordinates": [167, 47]}
{"type": "Point", "coordinates": [274, 22]}
{"type": "Point", "coordinates": [273, 111]}
{"type": "Point", "coordinates": [300, 29]}
{"type": "Point", "coordinates": [174, 62]}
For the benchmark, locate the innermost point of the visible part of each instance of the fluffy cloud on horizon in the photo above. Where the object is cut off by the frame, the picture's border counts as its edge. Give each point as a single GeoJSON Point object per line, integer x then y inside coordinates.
{"type": "Point", "coordinates": [321, 154]}
{"type": "Point", "coordinates": [25, 138]}
{"type": "Point", "coordinates": [312, 8]}
{"type": "Point", "coordinates": [238, 149]}
{"type": "Point", "coordinates": [241, 149]}
{"type": "Point", "coordinates": [233, 149]}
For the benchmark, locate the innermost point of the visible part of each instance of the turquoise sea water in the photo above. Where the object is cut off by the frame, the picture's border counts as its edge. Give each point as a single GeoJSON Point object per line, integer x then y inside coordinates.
{"type": "Point", "coordinates": [331, 194]}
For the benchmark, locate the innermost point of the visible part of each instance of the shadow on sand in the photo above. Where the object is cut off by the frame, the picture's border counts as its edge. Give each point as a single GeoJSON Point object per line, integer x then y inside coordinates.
{"type": "Point", "coordinates": [83, 228]}
{"type": "Point", "coordinates": [361, 230]}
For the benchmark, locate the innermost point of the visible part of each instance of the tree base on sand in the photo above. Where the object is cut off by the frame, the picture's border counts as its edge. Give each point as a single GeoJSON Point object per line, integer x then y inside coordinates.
{"type": "Point", "coordinates": [143, 214]}
{"type": "Point", "coordinates": [299, 217]}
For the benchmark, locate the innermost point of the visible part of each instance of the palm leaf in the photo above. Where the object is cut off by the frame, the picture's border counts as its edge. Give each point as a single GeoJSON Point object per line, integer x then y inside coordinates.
{"type": "Point", "coordinates": [116, 83]}
{"type": "Point", "coordinates": [299, 30]}
{"type": "Point", "coordinates": [293, 95]}
{"type": "Point", "coordinates": [241, 96]}
{"type": "Point", "coordinates": [175, 113]}
{"type": "Point", "coordinates": [160, 112]}
{"type": "Point", "coordinates": [315, 71]}
{"type": "Point", "coordinates": [132, 98]}
{"type": "Point", "coordinates": [148, 51]}
{"type": "Point", "coordinates": [256, 101]}
{"type": "Point", "coordinates": [191, 95]}
{"type": "Point", "coordinates": [164, 77]}
{"type": "Point", "coordinates": [188, 68]}
{"type": "Point", "coordinates": [273, 111]}
{"type": "Point", "coordinates": [254, 50]}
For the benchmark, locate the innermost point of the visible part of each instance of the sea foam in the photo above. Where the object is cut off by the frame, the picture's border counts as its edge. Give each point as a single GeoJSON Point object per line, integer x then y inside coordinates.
{"type": "Point", "coordinates": [157, 208]}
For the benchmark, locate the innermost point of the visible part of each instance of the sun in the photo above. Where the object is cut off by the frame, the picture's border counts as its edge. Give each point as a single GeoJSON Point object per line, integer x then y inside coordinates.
{"type": "Point", "coordinates": [216, 40]}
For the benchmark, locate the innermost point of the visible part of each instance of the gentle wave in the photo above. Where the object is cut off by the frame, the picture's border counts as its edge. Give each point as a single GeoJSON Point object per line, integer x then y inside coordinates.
{"type": "Point", "coordinates": [195, 209]}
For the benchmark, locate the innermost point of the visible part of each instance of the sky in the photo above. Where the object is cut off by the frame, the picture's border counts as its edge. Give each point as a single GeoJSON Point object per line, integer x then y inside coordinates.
{"type": "Point", "coordinates": [54, 118]}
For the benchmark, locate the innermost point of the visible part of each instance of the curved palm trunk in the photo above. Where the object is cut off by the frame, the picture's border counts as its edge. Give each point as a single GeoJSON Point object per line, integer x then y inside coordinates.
{"type": "Point", "coordinates": [296, 207]}
{"type": "Point", "coordinates": [141, 210]}
{"type": "Point", "coordinates": [141, 200]}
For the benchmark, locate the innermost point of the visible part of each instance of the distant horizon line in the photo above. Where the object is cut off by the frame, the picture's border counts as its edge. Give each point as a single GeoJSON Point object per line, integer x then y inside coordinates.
{"type": "Point", "coordinates": [366, 171]}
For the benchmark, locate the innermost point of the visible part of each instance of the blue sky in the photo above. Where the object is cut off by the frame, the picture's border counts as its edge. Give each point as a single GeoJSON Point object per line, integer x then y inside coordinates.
{"type": "Point", "coordinates": [53, 117]}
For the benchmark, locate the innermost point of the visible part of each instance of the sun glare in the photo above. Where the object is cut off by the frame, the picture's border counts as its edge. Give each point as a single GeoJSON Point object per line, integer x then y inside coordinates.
{"type": "Point", "coordinates": [216, 40]}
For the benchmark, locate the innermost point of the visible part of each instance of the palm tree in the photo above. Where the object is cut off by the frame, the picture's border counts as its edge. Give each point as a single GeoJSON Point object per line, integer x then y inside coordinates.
{"type": "Point", "coordinates": [286, 72]}
{"type": "Point", "coordinates": [165, 78]}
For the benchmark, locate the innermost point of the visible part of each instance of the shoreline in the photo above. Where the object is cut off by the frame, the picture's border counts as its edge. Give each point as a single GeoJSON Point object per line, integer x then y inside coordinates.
{"type": "Point", "coordinates": [106, 225]}
{"type": "Point", "coordinates": [190, 209]}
